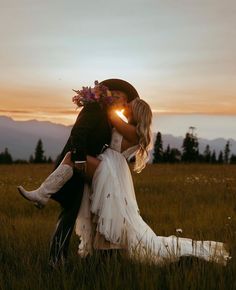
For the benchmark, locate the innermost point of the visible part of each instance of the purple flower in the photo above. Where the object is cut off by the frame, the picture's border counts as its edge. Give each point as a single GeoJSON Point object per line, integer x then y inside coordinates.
{"type": "Point", "coordinates": [99, 93]}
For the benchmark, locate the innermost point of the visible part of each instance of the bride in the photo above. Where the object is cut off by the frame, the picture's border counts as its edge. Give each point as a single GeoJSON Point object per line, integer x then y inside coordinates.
{"type": "Point", "coordinates": [109, 216]}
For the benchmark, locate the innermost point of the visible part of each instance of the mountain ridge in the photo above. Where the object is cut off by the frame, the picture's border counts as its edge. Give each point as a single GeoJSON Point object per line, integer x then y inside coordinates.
{"type": "Point", "coordinates": [20, 137]}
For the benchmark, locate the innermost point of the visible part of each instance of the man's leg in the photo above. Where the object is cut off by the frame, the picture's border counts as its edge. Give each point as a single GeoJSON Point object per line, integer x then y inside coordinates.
{"type": "Point", "coordinates": [61, 238]}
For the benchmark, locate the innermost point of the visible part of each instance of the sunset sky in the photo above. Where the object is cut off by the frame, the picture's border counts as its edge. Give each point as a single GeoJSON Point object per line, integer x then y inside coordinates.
{"type": "Point", "coordinates": [179, 54]}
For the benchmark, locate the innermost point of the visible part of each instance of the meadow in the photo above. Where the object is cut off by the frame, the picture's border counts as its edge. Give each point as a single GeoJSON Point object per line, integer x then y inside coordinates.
{"type": "Point", "coordinates": [199, 199]}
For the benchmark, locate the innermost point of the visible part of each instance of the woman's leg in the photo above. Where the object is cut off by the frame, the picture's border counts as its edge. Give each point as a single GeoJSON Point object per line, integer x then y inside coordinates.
{"type": "Point", "coordinates": [92, 164]}
{"type": "Point", "coordinates": [57, 179]}
{"type": "Point", "coordinates": [67, 160]}
{"type": "Point", "coordinates": [51, 184]}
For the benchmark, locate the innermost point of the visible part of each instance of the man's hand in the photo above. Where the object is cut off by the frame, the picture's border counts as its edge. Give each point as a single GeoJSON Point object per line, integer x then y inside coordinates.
{"type": "Point", "coordinates": [81, 166]}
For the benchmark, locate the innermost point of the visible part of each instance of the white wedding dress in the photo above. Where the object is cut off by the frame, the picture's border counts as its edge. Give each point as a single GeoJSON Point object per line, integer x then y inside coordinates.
{"type": "Point", "coordinates": [109, 217]}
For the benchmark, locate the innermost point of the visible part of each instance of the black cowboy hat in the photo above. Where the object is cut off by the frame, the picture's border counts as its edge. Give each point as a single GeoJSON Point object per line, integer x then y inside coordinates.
{"type": "Point", "coordinates": [121, 85]}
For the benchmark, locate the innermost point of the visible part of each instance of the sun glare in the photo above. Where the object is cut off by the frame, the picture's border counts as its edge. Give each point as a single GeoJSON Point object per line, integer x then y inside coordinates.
{"type": "Point", "coordinates": [121, 115]}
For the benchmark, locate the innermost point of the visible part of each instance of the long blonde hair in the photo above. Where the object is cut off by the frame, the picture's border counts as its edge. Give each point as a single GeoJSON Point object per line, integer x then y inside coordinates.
{"type": "Point", "coordinates": [142, 115]}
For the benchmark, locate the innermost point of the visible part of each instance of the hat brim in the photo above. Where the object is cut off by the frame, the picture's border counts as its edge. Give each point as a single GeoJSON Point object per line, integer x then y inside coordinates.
{"type": "Point", "coordinates": [121, 85]}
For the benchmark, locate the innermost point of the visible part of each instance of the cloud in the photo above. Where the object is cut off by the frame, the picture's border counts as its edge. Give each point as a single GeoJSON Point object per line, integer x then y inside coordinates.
{"type": "Point", "coordinates": [180, 54]}
{"type": "Point", "coordinates": [50, 111]}
{"type": "Point", "coordinates": [58, 115]}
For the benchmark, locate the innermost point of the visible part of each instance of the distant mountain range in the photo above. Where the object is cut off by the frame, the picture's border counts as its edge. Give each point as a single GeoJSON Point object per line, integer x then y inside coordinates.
{"type": "Point", "coordinates": [20, 137]}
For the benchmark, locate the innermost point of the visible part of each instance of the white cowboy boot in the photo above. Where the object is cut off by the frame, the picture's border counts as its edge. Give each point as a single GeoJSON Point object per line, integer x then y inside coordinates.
{"type": "Point", "coordinates": [51, 185]}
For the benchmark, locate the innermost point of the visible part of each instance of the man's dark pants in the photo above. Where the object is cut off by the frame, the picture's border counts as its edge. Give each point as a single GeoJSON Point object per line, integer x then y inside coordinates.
{"type": "Point", "coordinates": [66, 221]}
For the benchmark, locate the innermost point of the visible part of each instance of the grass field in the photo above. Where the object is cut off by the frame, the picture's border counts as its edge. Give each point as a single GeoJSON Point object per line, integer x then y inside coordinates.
{"type": "Point", "coordinates": [199, 199]}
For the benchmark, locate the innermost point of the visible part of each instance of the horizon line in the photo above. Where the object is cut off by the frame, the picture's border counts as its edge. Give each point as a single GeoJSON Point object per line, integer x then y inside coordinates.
{"type": "Point", "coordinates": [69, 121]}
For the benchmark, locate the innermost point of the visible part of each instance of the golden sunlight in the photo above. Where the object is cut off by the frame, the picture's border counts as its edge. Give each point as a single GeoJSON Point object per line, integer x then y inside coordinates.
{"type": "Point", "coordinates": [121, 115]}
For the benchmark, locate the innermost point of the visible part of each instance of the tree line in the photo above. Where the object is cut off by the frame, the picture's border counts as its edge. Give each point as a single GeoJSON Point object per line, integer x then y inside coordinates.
{"type": "Point", "coordinates": [190, 152]}
{"type": "Point", "coordinates": [38, 157]}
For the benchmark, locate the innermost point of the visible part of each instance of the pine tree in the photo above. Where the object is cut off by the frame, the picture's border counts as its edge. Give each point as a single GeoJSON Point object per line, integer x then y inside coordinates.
{"type": "Point", "coordinates": [166, 155]}
{"type": "Point", "coordinates": [213, 157]}
{"type": "Point", "coordinates": [175, 155]}
{"type": "Point", "coordinates": [227, 152]}
{"type": "Point", "coordinates": [190, 147]}
{"type": "Point", "coordinates": [31, 159]}
{"type": "Point", "coordinates": [158, 149]}
{"type": "Point", "coordinates": [49, 160]}
{"type": "Point", "coordinates": [5, 157]}
{"type": "Point", "coordinates": [233, 159]}
{"type": "Point", "coordinates": [39, 157]}
{"type": "Point", "coordinates": [8, 158]}
{"type": "Point", "coordinates": [220, 158]}
{"type": "Point", "coordinates": [207, 154]}
{"type": "Point", "coordinates": [200, 158]}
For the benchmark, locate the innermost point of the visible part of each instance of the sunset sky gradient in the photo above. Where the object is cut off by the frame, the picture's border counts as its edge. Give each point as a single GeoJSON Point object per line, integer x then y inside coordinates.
{"type": "Point", "coordinates": [180, 55]}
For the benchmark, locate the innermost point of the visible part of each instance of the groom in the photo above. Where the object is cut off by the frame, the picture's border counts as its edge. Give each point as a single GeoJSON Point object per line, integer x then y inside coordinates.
{"type": "Point", "coordinates": [89, 135]}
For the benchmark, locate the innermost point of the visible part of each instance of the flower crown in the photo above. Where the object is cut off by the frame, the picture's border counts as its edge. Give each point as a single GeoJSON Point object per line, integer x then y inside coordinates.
{"type": "Point", "coordinates": [100, 94]}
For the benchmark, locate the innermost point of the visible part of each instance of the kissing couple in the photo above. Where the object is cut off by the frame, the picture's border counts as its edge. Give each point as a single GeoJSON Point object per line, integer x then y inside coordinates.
{"type": "Point", "coordinates": [93, 183]}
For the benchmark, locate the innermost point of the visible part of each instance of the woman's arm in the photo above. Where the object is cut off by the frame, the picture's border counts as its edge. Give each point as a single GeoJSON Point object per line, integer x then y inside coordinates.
{"type": "Point", "coordinates": [128, 131]}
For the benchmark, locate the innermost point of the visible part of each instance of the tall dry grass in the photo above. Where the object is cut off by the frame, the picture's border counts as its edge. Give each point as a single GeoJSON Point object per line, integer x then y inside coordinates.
{"type": "Point", "coordinates": [199, 199]}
